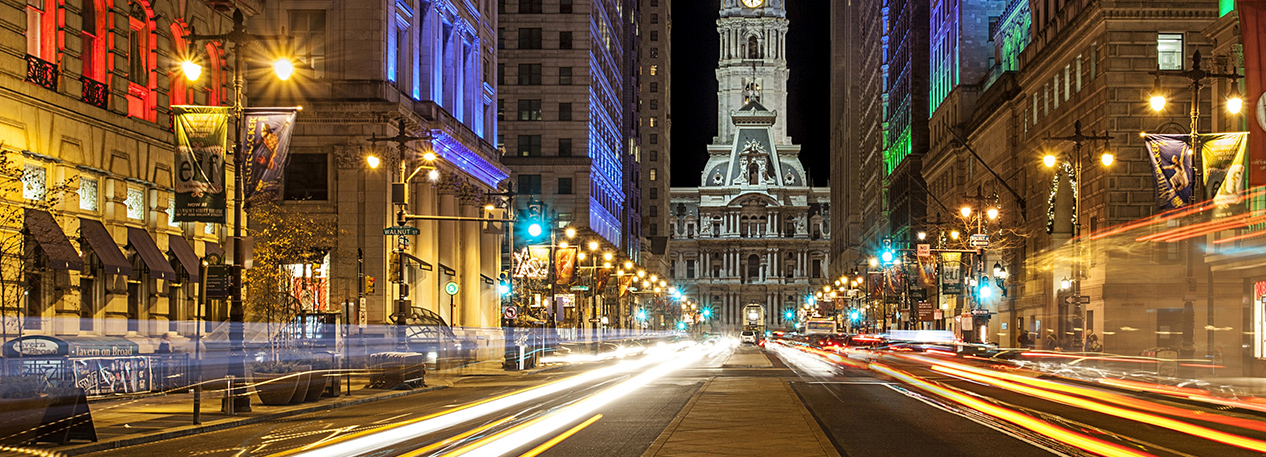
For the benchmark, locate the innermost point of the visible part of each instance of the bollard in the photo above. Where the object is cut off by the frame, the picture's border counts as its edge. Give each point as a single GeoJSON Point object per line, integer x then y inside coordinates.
{"type": "Point", "coordinates": [197, 404]}
{"type": "Point", "coordinates": [228, 398]}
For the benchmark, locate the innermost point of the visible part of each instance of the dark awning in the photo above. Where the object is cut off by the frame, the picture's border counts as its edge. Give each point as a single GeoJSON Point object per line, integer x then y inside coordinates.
{"type": "Point", "coordinates": [159, 267]}
{"type": "Point", "coordinates": [61, 254]}
{"type": "Point", "coordinates": [184, 253]}
{"type": "Point", "coordinates": [214, 248]}
{"type": "Point", "coordinates": [421, 263]}
{"type": "Point", "coordinates": [73, 346]}
{"type": "Point", "coordinates": [102, 244]}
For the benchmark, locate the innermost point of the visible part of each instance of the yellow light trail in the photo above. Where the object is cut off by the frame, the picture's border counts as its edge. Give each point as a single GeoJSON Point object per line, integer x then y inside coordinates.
{"type": "Point", "coordinates": [1138, 416]}
{"type": "Point", "coordinates": [558, 439]}
{"type": "Point", "coordinates": [461, 436]}
{"type": "Point", "coordinates": [1079, 440]}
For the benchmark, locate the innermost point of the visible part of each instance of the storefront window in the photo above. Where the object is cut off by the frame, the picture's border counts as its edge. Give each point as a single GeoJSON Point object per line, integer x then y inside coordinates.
{"type": "Point", "coordinates": [1259, 319]}
{"type": "Point", "coordinates": [88, 194]}
{"type": "Point", "coordinates": [33, 180]}
{"type": "Point", "coordinates": [135, 203]}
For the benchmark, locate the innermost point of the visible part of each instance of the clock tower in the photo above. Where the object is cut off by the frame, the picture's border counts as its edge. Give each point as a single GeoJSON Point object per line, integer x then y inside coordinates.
{"type": "Point", "coordinates": [753, 63]}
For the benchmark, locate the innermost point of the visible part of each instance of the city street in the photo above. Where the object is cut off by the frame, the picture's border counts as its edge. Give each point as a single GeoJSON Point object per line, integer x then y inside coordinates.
{"type": "Point", "coordinates": [705, 399]}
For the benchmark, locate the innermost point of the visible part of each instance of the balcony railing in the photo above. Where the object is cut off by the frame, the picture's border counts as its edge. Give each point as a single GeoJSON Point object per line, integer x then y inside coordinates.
{"type": "Point", "coordinates": [95, 93]}
{"type": "Point", "coordinates": [42, 72]}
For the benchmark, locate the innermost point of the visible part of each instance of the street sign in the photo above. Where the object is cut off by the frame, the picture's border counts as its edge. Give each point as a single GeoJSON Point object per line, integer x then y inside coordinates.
{"type": "Point", "coordinates": [218, 281]}
{"type": "Point", "coordinates": [579, 287]}
{"type": "Point", "coordinates": [362, 314]}
{"type": "Point", "coordinates": [979, 241]}
{"type": "Point", "coordinates": [924, 250]}
{"type": "Point", "coordinates": [451, 288]}
{"type": "Point", "coordinates": [511, 312]}
{"type": "Point", "coordinates": [398, 230]}
{"type": "Point", "coordinates": [919, 294]}
{"type": "Point", "coordinates": [926, 311]}
{"type": "Point", "coordinates": [1077, 300]}
{"type": "Point", "coordinates": [403, 240]}
{"type": "Point", "coordinates": [981, 312]}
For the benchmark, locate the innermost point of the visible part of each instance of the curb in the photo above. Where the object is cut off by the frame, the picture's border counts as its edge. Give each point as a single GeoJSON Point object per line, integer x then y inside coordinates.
{"type": "Point", "coordinates": [230, 423]}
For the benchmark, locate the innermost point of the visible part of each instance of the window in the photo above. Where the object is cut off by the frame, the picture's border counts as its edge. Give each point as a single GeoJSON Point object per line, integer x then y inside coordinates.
{"type": "Point", "coordinates": [1078, 72]}
{"type": "Point", "coordinates": [654, 18]}
{"type": "Point", "coordinates": [529, 110]}
{"type": "Point", "coordinates": [690, 267]}
{"type": "Point", "coordinates": [564, 76]}
{"type": "Point", "coordinates": [654, 155]}
{"type": "Point", "coordinates": [307, 27]}
{"type": "Point", "coordinates": [1169, 51]}
{"type": "Point", "coordinates": [34, 181]}
{"type": "Point", "coordinates": [501, 74]}
{"type": "Point", "coordinates": [1055, 84]}
{"type": "Point", "coordinates": [208, 228]}
{"type": "Point", "coordinates": [654, 87]}
{"type": "Point", "coordinates": [653, 230]}
{"type": "Point", "coordinates": [654, 2]}
{"type": "Point", "coordinates": [501, 142]}
{"type": "Point", "coordinates": [654, 105]}
{"type": "Point", "coordinates": [564, 6]}
{"type": "Point", "coordinates": [817, 268]}
{"type": "Point", "coordinates": [564, 111]}
{"type": "Point", "coordinates": [530, 6]}
{"type": "Point", "coordinates": [564, 186]}
{"type": "Point", "coordinates": [530, 38]}
{"type": "Point", "coordinates": [654, 175]}
{"type": "Point", "coordinates": [1046, 100]}
{"type": "Point", "coordinates": [1094, 60]}
{"type": "Point", "coordinates": [654, 193]}
{"type": "Point", "coordinates": [307, 177]}
{"type": "Point", "coordinates": [135, 203]}
{"type": "Point", "coordinates": [654, 54]}
{"type": "Point", "coordinates": [530, 184]}
{"type": "Point", "coordinates": [40, 29]}
{"type": "Point", "coordinates": [564, 147]}
{"type": "Point", "coordinates": [653, 121]}
{"type": "Point", "coordinates": [529, 74]}
{"type": "Point", "coordinates": [654, 70]}
{"type": "Point", "coordinates": [564, 40]}
{"type": "Point", "coordinates": [93, 54]}
{"type": "Point", "coordinates": [501, 109]}
{"type": "Point", "coordinates": [653, 211]}
{"type": "Point", "coordinates": [501, 6]}
{"type": "Point", "coordinates": [501, 37]}
{"type": "Point", "coordinates": [1068, 71]}
{"type": "Point", "coordinates": [529, 145]}
{"type": "Point", "coordinates": [171, 212]}
{"type": "Point", "coordinates": [654, 35]}
{"type": "Point", "coordinates": [654, 138]}
{"type": "Point", "coordinates": [88, 194]}
{"type": "Point", "coordinates": [1035, 109]}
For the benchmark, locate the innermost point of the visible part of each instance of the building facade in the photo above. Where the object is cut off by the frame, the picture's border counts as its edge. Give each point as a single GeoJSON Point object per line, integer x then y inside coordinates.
{"type": "Point", "coordinates": [566, 111]}
{"type": "Point", "coordinates": [755, 231]}
{"type": "Point", "coordinates": [655, 127]}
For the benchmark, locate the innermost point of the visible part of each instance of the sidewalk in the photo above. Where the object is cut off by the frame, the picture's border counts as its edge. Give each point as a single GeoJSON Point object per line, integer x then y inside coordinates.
{"type": "Point", "coordinates": [742, 416]}
{"type": "Point", "coordinates": [122, 423]}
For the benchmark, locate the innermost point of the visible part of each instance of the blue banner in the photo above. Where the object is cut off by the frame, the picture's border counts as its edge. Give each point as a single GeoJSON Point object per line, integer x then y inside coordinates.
{"type": "Point", "coordinates": [1171, 167]}
{"type": "Point", "coordinates": [266, 137]}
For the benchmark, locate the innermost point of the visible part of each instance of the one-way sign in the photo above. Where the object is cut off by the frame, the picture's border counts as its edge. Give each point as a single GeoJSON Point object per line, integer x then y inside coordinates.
{"type": "Point", "coordinates": [979, 240]}
{"type": "Point", "coordinates": [1077, 300]}
{"type": "Point", "coordinates": [399, 230]}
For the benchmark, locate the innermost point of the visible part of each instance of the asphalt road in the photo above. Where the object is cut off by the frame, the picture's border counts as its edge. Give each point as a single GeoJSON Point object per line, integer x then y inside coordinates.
{"type": "Point", "coordinates": [862, 413]}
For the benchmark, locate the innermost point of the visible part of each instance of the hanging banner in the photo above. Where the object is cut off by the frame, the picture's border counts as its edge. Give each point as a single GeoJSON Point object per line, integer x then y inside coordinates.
{"type": "Point", "coordinates": [532, 263]}
{"type": "Point", "coordinates": [951, 273]}
{"type": "Point", "coordinates": [600, 278]}
{"type": "Point", "coordinates": [876, 282]}
{"type": "Point", "coordinates": [1224, 156]}
{"type": "Point", "coordinates": [892, 280]}
{"type": "Point", "coordinates": [266, 135]}
{"type": "Point", "coordinates": [927, 271]}
{"type": "Point", "coordinates": [201, 140]}
{"type": "Point", "coordinates": [1171, 159]}
{"type": "Point", "coordinates": [565, 265]}
{"type": "Point", "coordinates": [1252, 27]}
{"type": "Point", "coordinates": [625, 282]}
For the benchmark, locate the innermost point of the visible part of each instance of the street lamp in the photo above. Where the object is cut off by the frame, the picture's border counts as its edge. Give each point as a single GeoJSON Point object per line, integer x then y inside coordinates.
{"type": "Point", "coordinates": [240, 40]}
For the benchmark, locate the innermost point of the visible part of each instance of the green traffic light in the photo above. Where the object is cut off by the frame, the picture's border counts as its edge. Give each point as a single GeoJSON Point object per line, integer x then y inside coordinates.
{"type": "Point", "coordinates": [534, 229]}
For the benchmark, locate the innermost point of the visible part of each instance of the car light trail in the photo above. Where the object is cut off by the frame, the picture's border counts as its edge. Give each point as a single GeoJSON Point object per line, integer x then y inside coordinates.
{"type": "Point", "coordinates": [1146, 418]}
{"type": "Point", "coordinates": [1079, 440]}
{"type": "Point", "coordinates": [520, 435]}
{"type": "Point", "coordinates": [558, 439]}
{"type": "Point", "coordinates": [374, 439]}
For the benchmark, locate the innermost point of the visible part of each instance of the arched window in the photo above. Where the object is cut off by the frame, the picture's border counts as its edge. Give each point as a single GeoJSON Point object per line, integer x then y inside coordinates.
{"type": "Point", "coordinates": [178, 93]}
{"type": "Point", "coordinates": [41, 29]}
{"type": "Point", "coordinates": [753, 47]}
{"type": "Point", "coordinates": [142, 80]}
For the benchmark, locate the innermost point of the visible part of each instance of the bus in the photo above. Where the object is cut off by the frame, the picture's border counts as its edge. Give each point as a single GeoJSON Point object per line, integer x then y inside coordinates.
{"type": "Point", "coordinates": [819, 326]}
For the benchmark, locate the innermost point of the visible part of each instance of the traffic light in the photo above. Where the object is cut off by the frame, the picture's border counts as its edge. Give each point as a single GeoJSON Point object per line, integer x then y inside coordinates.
{"type": "Point", "coordinates": [888, 256]}
{"type": "Point", "coordinates": [790, 314]}
{"type": "Point", "coordinates": [707, 313]}
{"type": "Point", "coordinates": [681, 325]}
{"type": "Point", "coordinates": [985, 290]}
{"type": "Point", "coordinates": [534, 221]}
{"type": "Point", "coordinates": [641, 314]}
{"type": "Point", "coordinates": [369, 284]}
{"type": "Point", "coordinates": [393, 267]}
{"type": "Point", "coordinates": [855, 315]}
{"type": "Point", "coordinates": [503, 287]}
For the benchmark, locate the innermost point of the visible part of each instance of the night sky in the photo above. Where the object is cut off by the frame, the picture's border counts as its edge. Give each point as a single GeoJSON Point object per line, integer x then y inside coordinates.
{"type": "Point", "coordinates": [695, 43]}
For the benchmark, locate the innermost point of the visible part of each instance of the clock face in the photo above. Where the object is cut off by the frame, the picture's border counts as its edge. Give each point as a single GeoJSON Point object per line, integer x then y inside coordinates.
{"type": "Point", "coordinates": [753, 3]}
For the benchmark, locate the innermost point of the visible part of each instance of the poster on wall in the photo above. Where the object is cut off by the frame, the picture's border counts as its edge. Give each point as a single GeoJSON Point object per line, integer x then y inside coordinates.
{"type": "Point", "coordinates": [201, 141]}
{"type": "Point", "coordinates": [266, 135]}
{"type": "Point", "coordinates": [116, 375]}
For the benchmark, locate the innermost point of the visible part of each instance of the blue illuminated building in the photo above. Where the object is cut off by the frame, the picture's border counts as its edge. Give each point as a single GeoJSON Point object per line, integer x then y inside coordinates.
{"type": "Point", "coordinates": [567, 78]}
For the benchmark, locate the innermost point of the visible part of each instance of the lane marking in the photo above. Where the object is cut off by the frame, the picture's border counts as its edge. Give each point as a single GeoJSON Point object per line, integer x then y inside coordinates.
{"type": "Point", "coordinates": [389, 419]}
{"type": "Point", "coordinates": [558, 439]}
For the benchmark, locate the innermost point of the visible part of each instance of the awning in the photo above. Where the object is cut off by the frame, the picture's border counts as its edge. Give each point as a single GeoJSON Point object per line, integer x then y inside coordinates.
{"type": "Point", "coordinates": [184, 253]}
{"type": "Point", "coordinates": [214, 248]}
{"type": "Point", "coordinates": [421, 263]}
{"type": "Point", "coordinates": [61, 254]}
{"type": "Point", "coordinates": [102, 244]}
{"type": "Point", "coordinates": [159, 267]}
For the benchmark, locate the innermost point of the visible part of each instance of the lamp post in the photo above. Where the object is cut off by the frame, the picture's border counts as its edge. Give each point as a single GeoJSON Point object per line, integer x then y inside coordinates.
{"type": "Point", "coordinates": [240, 40]}
{"type": "Point", "coordinates": [1077, 138]}
{"type": "Point", "coordinates": [400, 197]}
